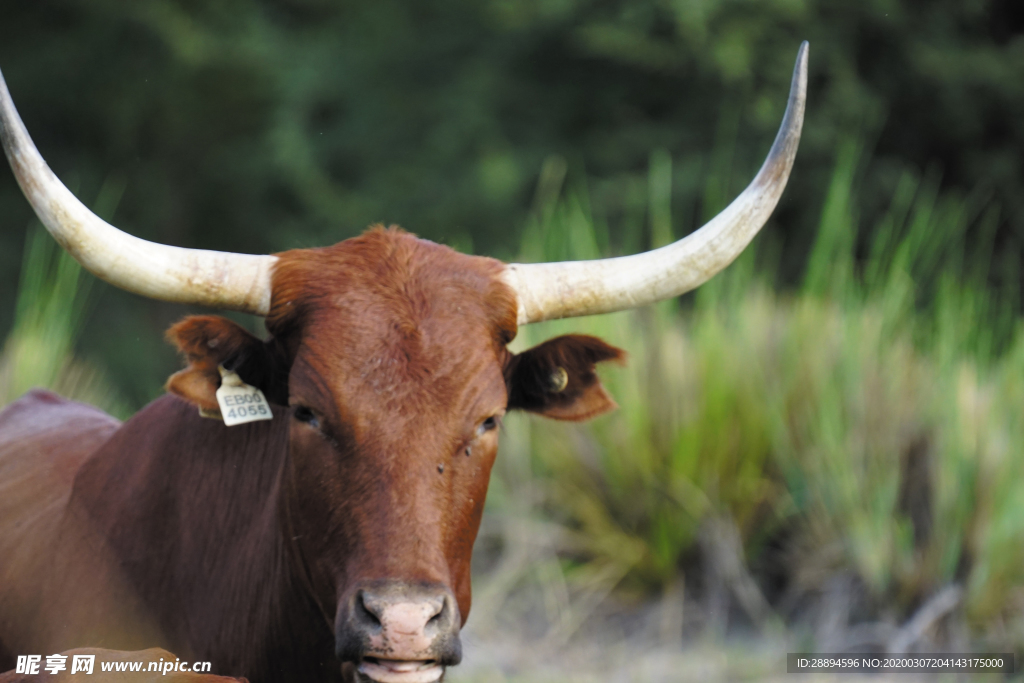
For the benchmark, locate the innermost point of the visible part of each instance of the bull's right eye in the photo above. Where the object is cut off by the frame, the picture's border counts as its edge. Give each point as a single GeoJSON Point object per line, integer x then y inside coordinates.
{"type": "Point", "coordinates": [304, 414]}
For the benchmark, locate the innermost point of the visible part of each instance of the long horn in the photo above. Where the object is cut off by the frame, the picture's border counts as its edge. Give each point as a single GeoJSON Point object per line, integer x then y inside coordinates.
{"type": "Point", "coordinates": [239, 282]}
{"type": "Point", "coordinates": [547, 291]}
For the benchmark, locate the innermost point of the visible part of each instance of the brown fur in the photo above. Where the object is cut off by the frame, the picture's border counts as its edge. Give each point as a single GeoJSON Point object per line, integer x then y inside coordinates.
{"type": "Point", "coordinates": [57, 583]}
{"type": "Point", "coordinates": [387, 365]}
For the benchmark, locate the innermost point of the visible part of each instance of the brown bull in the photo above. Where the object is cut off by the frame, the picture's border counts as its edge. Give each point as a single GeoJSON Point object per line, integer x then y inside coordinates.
{"type": "Point", "coordinates": [333, 541]}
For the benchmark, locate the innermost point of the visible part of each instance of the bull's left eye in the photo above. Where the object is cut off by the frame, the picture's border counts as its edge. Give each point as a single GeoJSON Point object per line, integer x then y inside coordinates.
{"type": "Point", "coordinates": [488, 424]}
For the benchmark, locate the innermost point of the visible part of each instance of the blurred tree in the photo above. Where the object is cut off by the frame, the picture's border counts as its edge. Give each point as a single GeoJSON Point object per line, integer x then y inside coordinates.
{"type": "Point", "coordinates": [262, 125]}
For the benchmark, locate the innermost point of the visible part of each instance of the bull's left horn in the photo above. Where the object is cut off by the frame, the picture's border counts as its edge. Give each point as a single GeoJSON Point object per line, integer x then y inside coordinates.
{"type": "Point", "coordinates": [546, 291]}
{"type": "Point", "coordinates": [238, 282]}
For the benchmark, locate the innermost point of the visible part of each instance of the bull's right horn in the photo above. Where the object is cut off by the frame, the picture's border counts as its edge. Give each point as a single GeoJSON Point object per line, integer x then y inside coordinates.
{"type": "Point", "coordinates": [561, 290]}
{"type": "Point", "coordinates": [238, 282]}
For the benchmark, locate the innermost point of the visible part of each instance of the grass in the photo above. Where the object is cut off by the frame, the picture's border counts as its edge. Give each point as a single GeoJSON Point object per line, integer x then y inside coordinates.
{"type": "Point", "coordinates": [864, 428]}
{"type": "Point", "coordinates": [52, 300]}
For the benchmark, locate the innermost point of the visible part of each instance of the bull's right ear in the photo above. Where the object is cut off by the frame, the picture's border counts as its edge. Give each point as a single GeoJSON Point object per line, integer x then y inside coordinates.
{"type": "Point", "coordinates": [208, 341]}
{"type": "Point", "coordinates": [558, 379]}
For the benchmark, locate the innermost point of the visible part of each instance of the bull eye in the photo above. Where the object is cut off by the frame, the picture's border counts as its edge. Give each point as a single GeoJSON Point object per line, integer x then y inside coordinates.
{"type": "Point", "coordinates": [487, 425]}
{"type": "Point", "coordinates": [304, 414]}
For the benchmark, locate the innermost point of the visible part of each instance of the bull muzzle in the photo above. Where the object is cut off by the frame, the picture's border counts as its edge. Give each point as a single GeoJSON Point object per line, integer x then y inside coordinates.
{"type": "Point", "coordinates": [396, 632]}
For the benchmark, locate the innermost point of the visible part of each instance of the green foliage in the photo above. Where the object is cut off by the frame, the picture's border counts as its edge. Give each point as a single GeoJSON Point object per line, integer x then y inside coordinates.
{"type": "Point", "coordinates": [868, 422]}
{"type": "Point", "coordinates": [39, 350]}
{"type": "Point", "coordinates": [52, 303]}
{"type": "Point", "coordinates": [257, 126]}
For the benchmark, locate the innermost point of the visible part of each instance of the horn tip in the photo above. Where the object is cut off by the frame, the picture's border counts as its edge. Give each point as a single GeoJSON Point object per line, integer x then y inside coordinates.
{"type": "Point", "coordinates": [801, 60]}
{"type": "Point", "coordinates": [799, 84]}
{"type": "Point", "coordinates": [784, 148]}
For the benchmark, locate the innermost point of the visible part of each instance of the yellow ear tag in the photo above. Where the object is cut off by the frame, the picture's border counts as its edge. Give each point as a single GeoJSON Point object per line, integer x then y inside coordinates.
{"type": "Point", "coordinates": [239, 402]}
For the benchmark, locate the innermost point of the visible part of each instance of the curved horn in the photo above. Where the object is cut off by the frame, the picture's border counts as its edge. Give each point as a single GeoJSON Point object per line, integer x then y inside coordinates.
{"type": "Point", "coordinates": [239, 282]}
{"type": "Point", "coordinates": [546, 291]}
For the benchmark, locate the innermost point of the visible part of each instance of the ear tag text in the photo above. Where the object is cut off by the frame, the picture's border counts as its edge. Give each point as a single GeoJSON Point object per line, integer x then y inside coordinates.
{"type": "Point", "coordinates": [240, 402]}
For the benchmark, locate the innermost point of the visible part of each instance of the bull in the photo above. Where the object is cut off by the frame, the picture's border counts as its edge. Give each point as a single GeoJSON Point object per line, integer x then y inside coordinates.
{"type": "Point", "coordinates": [331, 542]}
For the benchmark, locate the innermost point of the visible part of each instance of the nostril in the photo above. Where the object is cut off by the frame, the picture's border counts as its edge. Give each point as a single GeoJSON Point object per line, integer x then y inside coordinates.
{"type": "Point", "coordinates": [441, 611]}
{"type": "Point", "coordinates": [367, 612]}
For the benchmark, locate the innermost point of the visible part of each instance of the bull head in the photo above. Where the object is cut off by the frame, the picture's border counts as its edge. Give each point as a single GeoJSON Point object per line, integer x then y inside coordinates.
{"type": "Point", "coordinates": [388, 358]}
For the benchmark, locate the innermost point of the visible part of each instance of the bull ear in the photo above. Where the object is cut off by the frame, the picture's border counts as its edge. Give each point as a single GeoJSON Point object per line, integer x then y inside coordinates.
{"type": "Point", "coordinates": [208, 341]}
{"type": "Point", "coordinates": [557, 378]}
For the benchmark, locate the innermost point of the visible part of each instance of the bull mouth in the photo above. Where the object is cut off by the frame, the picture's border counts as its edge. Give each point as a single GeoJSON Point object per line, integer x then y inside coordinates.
{"type": "Point", "coordinates": [401, 670]}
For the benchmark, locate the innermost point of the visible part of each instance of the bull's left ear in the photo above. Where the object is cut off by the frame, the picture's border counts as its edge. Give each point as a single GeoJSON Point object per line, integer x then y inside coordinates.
{"type": "Point", "coordinates": [557, 378]}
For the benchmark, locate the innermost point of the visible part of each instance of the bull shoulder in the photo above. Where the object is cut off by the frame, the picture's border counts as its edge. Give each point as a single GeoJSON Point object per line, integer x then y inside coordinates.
{"type": "Point", "coordinates": [48, 425]}
{"type": "Point", "coordinates": [44, 440]}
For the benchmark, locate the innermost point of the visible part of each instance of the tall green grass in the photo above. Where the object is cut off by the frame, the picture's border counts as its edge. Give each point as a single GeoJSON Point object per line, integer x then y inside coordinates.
{"type": "Point", "coordinates": [866, 425]}
{"type": "Point", "coordinates": [52, 301]}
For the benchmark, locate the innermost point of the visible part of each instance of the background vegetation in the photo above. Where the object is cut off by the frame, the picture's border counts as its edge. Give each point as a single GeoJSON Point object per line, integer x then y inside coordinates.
{"type": "Point", "coordinates": [260, 125]}
{"type": "Point", "coordinates": [823, 443]}
{"type": "Point", "coordinates": [840, 461]}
